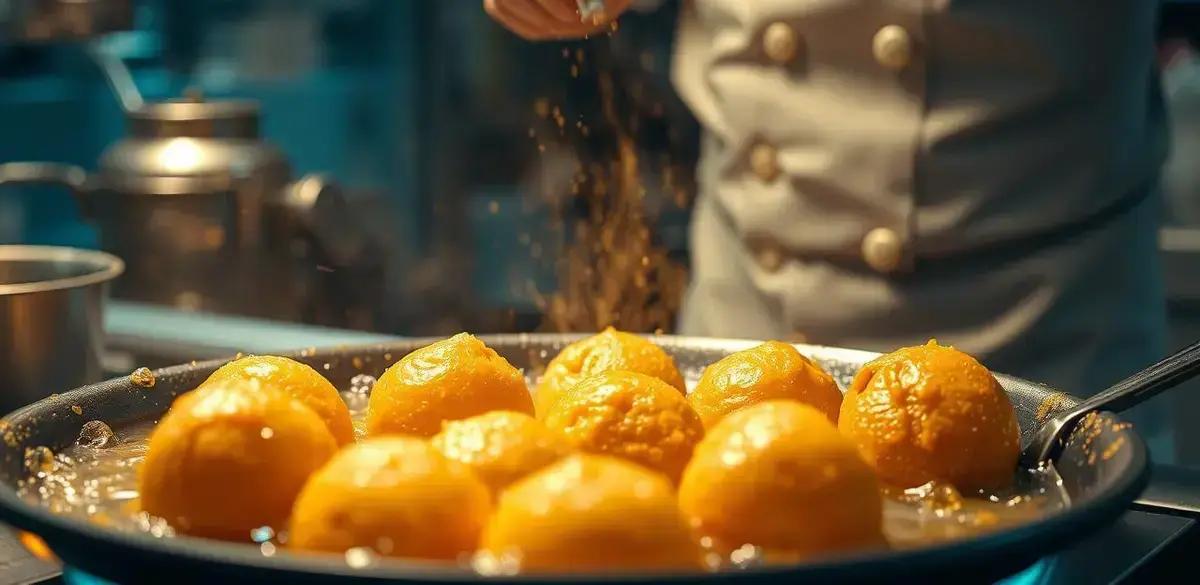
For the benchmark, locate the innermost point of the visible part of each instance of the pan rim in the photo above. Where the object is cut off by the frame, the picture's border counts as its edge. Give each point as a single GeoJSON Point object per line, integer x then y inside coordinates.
{"type": "Point", "coordinates": [100, 267]}
{"type": "Point", "coordinates": [1098, 509]}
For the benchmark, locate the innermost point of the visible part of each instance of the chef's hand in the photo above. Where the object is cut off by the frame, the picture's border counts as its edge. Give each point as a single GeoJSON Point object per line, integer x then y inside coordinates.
{"type": "Point", "coordinates": [539, 20]}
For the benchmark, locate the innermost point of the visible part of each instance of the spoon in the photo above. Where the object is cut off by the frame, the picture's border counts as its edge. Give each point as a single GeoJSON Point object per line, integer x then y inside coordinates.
{"type": "Point", "coordinates": [1047, 443]}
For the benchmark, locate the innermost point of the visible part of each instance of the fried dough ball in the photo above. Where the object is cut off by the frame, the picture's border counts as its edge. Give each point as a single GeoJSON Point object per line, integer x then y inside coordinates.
{"type": "Point", "coordinates": [932, 413]}
{"type": "Point", "coordinates": [299, 380]}
{"type": "Point", "coordinates": [500, 446]}
{"type": "Point", "coordinates": [779, 475]}
{"type": "Point", "coordinates": [629, 415]}
{"type": "Point", "coordinates": [771, 371]}
{"type": "Point", "coordinates": [231, 457]}
{"type": "Point", "coordinates": [603, 352]}
{"type": "Point", "coordinates": [452, 379]}
{"type": "Point", "coordinates": [591, 513]}
{"type": "Point", "coordinates": [395, 495]}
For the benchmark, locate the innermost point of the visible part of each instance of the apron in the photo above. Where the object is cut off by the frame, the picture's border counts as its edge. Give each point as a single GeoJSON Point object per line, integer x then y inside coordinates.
{"type": "Point", "coordinates": [875, 173]}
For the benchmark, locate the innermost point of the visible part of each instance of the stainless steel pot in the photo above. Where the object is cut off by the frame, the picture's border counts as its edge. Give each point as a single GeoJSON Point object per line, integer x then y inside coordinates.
{"type": "Point", "coordinates": [51, 320]}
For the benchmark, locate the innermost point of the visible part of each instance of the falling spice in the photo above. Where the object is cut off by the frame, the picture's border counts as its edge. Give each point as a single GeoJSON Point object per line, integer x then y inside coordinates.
{"type": "Point", "coordinates": [613, 273]}
{"type": "Point", "coordinates": [1051, 404]}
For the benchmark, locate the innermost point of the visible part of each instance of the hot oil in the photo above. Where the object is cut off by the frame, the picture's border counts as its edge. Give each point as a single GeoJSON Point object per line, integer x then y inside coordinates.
{"type": "Point", "coordinates": [96, 480]}
{"type": "Point", "coordinates": [937, 512]}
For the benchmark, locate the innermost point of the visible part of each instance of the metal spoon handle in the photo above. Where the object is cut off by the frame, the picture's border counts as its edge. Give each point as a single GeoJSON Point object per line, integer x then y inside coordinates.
{"type": "Point", "coordinates": [1046, 443]}
{"type": "Point", "coordinates": [1146, 384]}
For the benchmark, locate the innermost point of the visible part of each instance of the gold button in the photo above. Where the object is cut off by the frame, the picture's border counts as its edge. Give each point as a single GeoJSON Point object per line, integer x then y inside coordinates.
{"type": "Point", "coordinates": [893, 47]}
{"type": "Point", "coordinates": [780, 43]}
{"type": "Point", "coordinates": [882, 250]}
{"type": "Point", "coordinates": [769, 257]}
{"type": "Point", "coordinates": [764, 161]}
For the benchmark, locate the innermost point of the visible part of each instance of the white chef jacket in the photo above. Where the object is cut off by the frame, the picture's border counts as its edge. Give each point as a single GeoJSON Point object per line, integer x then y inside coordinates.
{"type": "Point", "coordinates": [878, 172]}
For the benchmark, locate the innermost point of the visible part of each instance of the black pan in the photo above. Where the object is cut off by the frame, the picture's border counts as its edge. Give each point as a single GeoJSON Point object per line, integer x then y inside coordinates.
{"type": "Point", "coordinates": [1103, 473]}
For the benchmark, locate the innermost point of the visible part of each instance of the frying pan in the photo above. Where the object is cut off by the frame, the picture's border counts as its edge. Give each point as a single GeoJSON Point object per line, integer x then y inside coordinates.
{"type": "Point", "coordinates": [1104, 467]}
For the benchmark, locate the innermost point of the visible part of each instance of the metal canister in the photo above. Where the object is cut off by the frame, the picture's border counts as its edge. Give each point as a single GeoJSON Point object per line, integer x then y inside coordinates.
{"type": "Point", "coordinates": [183, 198]}
{"type": "Point", "coordinates": [206, 214]}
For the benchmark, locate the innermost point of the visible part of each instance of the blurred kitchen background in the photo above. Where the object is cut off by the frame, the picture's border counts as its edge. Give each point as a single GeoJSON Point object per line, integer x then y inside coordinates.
{"type": "Point", "coordinates": [430, 154]}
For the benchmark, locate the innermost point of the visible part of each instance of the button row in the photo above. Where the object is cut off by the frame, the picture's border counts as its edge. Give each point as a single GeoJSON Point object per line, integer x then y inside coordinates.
{"type": "Point", "coordinates": [893, 48]}
{"type": "Point", "coordinates": [892, 45]}
{"type": "Point", "coordinates": [882, 250]}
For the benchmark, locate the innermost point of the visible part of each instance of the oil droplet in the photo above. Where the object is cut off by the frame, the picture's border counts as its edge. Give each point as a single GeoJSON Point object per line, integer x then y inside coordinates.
{"type": "Point", "coordinates": [362, 384]}
{"type": "Point", "coordinates": [357, 362]}
{"type": "Point", "coordinates": [97, 435]}
{"type": "Point", "coordinates": [359, 557]}
{"type": "Point", "coordinates": [267, 432]}
{"type": "Point", "coordinates": [490, 564]}
{"type": "Point", "coordinates": [262, 533]}
{"type": "Point", "coordinates": [142, 377]}
{"type": "Point", "coordinates": [745, 556]}
{"type": "Point", "coordinates": [39, 460]}
{"type": "Point", "coordinates": [267, 549]}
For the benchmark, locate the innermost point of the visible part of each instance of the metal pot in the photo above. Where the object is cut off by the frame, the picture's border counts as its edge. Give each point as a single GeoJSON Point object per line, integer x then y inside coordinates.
{"type": "Point", "coordinates": [51, 320]}
{"type": "Point", "coordinates": [206, 213]}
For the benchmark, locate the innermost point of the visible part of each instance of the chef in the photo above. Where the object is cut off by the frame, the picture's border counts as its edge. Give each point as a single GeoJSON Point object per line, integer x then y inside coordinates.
{"type": "Point", "coordinates": [878, 172]}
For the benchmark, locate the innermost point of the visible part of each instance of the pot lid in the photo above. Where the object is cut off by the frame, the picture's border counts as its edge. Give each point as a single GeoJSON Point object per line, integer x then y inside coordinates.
{"type": "Point", "coordinates": [195, 117]}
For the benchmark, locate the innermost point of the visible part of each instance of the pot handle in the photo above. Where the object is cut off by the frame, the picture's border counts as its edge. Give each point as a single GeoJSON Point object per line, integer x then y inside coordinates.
{"type": "Point", "coordinates": [321, 214]}
{"type": "Point", "coordinates": [44, 173]}
{"type": "Point", "coordinates": [48, 173]}
{"type": "Point", "coordinates": [1173, 490]}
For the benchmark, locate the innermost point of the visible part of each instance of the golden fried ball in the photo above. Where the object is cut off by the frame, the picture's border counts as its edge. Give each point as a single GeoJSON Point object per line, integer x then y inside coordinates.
{"type": "Point", "coordinates": [771, 371]}
{"type": "Point", "coordinates": [395, 495]}
{"type": "Point", "coordinates": [606, 351]}
{"type": "Point", "coordinates": [633, 416]}
{"type": "Point", "coordinates": [500, 446]}
{"type": "Point", "coordinates": [231, 457]}
{"type": "Point", "coordinates": [452, 379]}
{"type": "Point", "coordinates": [779, 475]}
{"type": "Point", "coordinates": [932, 413]}
{"type": "Point", "coordinates": [591, 513]}
{"type": "Point", "coordinates": [299, 380]}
